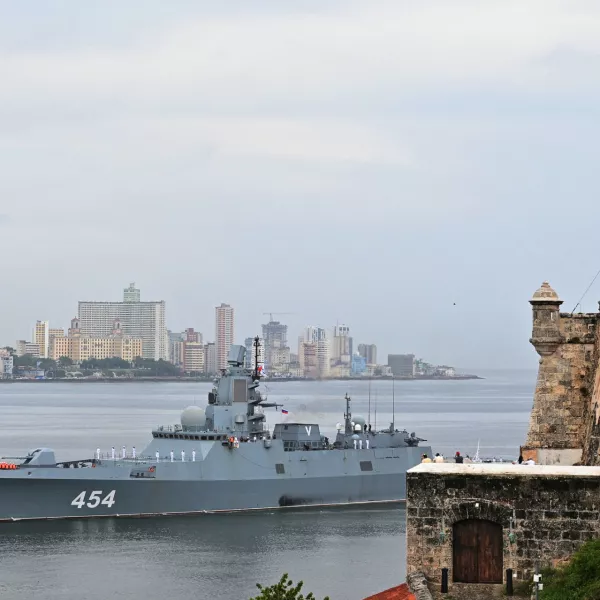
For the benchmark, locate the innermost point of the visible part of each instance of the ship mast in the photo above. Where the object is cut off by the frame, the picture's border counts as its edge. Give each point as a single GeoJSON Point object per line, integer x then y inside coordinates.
{"type": "Point", "coordinates": [255, 371]}
{"type": "Point", "coordinates": [348, 415]}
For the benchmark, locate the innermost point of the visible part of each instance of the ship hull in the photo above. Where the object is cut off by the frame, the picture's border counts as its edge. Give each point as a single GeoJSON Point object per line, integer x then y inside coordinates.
{"type": "Point", "coordinates": [238, 480]}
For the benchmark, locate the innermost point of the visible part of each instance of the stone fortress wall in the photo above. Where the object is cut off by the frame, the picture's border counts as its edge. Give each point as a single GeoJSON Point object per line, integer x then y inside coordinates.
{"type": "Point", "coordinates": [563, 426]}
{"type": "Point", "coordinates": [478, 520]}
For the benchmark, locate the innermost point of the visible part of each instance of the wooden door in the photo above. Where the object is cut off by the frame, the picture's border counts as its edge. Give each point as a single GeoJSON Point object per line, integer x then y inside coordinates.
{"type": "Point", "coordinates": [477, 552]}
{"type": "Point", "coordinates": [465, 552]}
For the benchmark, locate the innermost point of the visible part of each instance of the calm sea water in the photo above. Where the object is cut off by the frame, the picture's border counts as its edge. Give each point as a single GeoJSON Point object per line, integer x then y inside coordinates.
{"type": "Point", "coordinates": [346, 553]}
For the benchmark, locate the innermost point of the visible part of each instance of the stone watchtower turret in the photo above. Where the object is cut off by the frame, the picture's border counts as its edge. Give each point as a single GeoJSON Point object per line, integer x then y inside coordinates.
{"type": "Point", "coordinates": [565, 343]}
{"type": "Point", "coordinates": [546, 336]}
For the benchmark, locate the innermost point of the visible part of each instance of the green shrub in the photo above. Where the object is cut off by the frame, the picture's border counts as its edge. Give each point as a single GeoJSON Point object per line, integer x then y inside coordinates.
{"type": "Point", "coordinates": [579, 580]}
{"type": "Point", "coordinates": [284, 590]}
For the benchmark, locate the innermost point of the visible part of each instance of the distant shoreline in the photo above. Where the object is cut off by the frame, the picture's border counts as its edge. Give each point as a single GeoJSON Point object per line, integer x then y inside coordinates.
{"type": "Point", "coordinates": [211, 379]}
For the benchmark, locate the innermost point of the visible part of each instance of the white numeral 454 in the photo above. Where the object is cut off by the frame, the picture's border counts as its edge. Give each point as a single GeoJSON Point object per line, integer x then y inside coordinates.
{"type": "Point", "coordinates": [94, 499]}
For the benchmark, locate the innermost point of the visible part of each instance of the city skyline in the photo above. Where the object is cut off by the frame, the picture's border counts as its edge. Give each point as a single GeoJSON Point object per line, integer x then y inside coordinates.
{"type": "Point", "coordinates": [132, 295]}
{"type": "Point", "coordinates": [100, 318]}
{"type": "Point", "coordinates": [136, 332]}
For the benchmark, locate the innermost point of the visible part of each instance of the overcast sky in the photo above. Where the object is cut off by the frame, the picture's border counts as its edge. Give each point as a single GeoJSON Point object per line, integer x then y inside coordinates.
{"type": "Point", "coordinates": [368, 162]}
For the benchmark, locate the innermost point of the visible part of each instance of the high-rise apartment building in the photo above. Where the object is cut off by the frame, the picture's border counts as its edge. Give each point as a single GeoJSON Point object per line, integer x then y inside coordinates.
{"type": "Point", "coordinates": [187, 351]}
{"type": "Point", "coordinates": [341, 347]}
{"type": "Point", "coordinates": [176, 340]}
{"type": "Point", "coordinates": [315, 334]}
{"type": "Point", "coordinates": [131, 294]}
{"type": "Point", "coordinates": [359, 365]}
{"type": "Point", "coordinates": [402, 365]}
{"type": "Point", "coordinates": [6, 364]}
{"type": "Point", "coordinates": [192, 336]}
{"type": "Point", "coordinates": [318, 338]}
{"type": "Point", "coordinates": [341, 331]}
{"type": "Point", "coordinates": [224, 333]}
{"type": "Point", "coordinates": [41, 337]}
{"type": "Point", "coordinates": [193, 358]}
{"type": "Point", "coordinates": [210, 358]}
{"type": "Point", "coordinates": [23, 347]}
{"type": "Point", "coordinates": [54, 334]}
{"type": "Point", "coordinates": [276, 348]}
{"type": "Point", "coordinates": [368, 352]}
{"type": "Point", "coordinates": [308, 359]}
{"type": "Point", "coordinates": [144, 320]}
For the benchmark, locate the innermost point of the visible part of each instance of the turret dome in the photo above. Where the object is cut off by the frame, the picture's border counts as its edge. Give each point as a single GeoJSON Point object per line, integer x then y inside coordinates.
{"type": "Point", "coordinates": [359, 420]}
{"type": "Point", "coordinates": [193, 417]}
{"type": "Point", "coordinates": [546, 294]}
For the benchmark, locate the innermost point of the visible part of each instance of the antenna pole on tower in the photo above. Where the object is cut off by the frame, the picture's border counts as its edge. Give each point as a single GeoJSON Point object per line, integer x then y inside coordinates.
{"type": "Point", "coordinates": [369, 417]}
{"type": "Point", "coordinates": [393, 405]}
{"type": "Point", "coordinates": [375, 411]}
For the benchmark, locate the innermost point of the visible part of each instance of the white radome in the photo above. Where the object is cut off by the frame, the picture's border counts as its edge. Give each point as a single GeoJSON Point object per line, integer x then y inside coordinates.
{"type": "Point", "coordinates": [193, 417]}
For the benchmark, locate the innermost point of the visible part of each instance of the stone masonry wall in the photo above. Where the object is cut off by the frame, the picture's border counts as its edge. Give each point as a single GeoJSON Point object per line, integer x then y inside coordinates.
{"type": "Point", "coordinates": [591, 418]}
{"type": "Point", "coordinates": [550, 515]}
{"type": "Point", "coordinates": [563, 388]}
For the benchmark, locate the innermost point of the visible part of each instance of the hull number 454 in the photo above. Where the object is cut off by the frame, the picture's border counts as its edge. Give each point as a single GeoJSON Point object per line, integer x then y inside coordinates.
{"type": "Point", "coordinates": [94, 499]}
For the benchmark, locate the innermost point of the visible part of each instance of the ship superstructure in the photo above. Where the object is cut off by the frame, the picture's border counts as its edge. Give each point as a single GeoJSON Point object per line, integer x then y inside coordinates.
{"type": "Point", "coordinates": [220, 458]}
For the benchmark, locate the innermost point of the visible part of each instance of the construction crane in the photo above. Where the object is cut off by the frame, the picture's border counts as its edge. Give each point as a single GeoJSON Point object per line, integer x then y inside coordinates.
{"type": "Point", "coordinates": [277, 313]}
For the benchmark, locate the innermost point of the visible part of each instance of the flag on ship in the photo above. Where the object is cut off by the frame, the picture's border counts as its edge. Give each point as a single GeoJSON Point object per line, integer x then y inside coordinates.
{"type": "Point", "coordinates": [285, 412]}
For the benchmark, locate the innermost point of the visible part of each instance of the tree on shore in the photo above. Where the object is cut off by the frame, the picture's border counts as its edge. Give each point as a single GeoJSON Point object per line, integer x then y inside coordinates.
{"type": "Point", "coordinates": [27, 360]}
{"type": "Point", "coordinates": [105, 363]}
{"type": "Point", "coordinates": [157, 368]}
{"type": "Point", "coordinates": [284, 590]}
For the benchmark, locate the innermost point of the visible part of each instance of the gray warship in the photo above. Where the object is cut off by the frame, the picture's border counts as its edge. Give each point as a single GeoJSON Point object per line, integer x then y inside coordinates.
{"type": "Point", "coordinates": [222, 458]}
